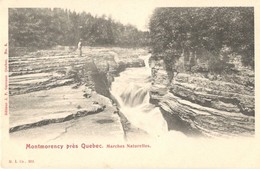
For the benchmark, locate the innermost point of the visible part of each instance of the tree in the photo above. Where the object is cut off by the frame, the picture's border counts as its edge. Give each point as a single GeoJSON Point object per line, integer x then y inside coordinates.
{"type": "Point", "coordinates": [44, 28]}
{"type": "Point", "coordinates": [186, 31]}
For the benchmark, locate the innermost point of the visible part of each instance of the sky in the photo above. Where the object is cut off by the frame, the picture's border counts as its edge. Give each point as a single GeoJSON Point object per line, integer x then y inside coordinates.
{"type": "Point", "coordinates": [133, 12]}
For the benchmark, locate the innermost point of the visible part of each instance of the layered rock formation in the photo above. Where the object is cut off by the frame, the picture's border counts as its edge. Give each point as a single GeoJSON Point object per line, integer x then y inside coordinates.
{"type": "Point", "coordinates": [48, 69]}
{"type": "Point", "coordinates": [59, 90]}
{"type": "Point", "coordinates": [199, 105]}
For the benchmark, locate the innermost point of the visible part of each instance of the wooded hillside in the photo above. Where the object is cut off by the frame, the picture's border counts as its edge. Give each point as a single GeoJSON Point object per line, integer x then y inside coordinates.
{"type": "Point", "coordinates": [190, 32]}
{"type": "Point", "coordinates": [45, 27]}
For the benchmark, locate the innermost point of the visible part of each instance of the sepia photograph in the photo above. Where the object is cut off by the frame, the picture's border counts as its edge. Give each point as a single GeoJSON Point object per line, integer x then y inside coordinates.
{"type": "Point", "coordinates": [124, 78]}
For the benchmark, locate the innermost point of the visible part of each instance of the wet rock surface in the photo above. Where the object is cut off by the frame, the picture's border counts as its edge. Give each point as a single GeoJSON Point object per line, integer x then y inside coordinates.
{"type": "Point", "coordinates": [198, 105]}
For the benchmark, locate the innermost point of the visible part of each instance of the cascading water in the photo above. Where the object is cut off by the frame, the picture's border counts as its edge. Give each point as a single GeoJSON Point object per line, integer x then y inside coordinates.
{"type": "Point", "coordinates": [131, 90]}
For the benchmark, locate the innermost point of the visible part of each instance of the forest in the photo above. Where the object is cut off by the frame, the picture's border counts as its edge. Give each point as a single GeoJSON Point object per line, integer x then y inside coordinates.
{"type": "Point", "coordinates": [208, 38]}
{"type": "Point", "coordinates": [209, 35]}
{"type": "Point", "coordinates": [46, 27]}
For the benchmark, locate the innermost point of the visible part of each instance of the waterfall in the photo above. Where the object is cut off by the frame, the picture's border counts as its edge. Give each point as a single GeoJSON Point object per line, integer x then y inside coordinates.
{"type": "Point", "coordinates": [131, 90]}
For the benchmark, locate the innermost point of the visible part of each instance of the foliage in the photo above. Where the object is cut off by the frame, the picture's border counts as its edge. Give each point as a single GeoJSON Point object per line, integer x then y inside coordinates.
{"type": "Point", "coordinates": [44, 27]}
{"type": "Point", "coordinates": [221, 31]}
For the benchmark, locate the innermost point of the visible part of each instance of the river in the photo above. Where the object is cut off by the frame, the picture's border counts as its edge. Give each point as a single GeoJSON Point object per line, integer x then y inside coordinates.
{"type": "Point", "coordinates": [131, 90]}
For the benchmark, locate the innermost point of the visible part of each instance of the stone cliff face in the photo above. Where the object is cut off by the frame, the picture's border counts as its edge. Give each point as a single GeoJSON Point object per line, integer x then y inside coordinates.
{"type": "Point", "coordinates": [197, 105]}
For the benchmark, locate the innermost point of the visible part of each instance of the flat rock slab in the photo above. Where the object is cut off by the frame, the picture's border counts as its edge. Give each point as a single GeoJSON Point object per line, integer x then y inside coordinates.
{"type": "Point", "coordinates": [58, 103]}
{"type": "Point", "coordinates": [54, 103]}
{"type": "Point", "coordinates": [91, 128]}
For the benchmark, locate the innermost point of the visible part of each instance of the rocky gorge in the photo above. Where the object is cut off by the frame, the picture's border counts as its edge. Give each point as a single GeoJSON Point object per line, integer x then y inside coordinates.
{"type": "Point", "coordinates": [57, 95]}
{"type": "Point", "coordinates": [199, 105]}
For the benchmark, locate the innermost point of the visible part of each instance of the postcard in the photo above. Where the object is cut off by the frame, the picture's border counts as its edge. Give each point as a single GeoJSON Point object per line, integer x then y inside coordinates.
{"type": "Point", "coordinates": [129, 84]}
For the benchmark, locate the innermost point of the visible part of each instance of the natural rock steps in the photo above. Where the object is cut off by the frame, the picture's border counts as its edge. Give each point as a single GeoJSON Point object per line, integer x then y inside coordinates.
{"type": "Point", "coordinates": [232, 102]}
{"type": "Point", "coordinates": [197, 105]}
{"type": "Point", "coordinates": [207, 120]}
{"type": "Point", "coordinates": [46, 93]}
{"type": "Point", "coordinates": [58, 68]}
{"type": "Point", "coordinates": [198, 83]}
{"type": "Point", "coordinates": [216, 94]}
{"type": "Point", "coordinates": [37, 86]}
